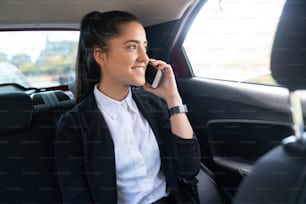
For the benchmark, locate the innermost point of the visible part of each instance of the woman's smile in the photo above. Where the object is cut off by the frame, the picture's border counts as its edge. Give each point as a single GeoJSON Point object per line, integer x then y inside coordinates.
{"type": "Point", "coordinates": [139, 69]}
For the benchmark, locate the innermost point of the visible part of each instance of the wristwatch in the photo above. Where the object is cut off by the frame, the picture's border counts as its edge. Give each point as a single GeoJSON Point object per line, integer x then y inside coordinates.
{"type": "Point", "coordinates": [178, 109]}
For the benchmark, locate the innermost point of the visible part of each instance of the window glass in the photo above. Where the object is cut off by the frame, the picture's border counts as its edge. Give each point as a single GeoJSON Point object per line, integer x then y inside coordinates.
{"type": "Point", "coordinates": [38, 58]}
{"type": "Point", "coordinates": [232, 40]}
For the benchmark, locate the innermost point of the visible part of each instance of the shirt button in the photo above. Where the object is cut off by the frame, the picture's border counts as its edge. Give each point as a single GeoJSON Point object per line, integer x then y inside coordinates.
{"type": "Point", "coordinates": [113, 116]}
{"type": "Point", "coordinates": [149, 199]}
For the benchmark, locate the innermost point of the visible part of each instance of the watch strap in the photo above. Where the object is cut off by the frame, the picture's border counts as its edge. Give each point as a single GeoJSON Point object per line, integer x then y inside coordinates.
{"type": "Point", "coordinates": [178, 109]}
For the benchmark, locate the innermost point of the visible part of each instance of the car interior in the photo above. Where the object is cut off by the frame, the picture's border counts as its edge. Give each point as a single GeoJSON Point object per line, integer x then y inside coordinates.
{"type": "Point", "coordinates": [251, 136]}
{"type": "Point", "coordinates": [267, 183]}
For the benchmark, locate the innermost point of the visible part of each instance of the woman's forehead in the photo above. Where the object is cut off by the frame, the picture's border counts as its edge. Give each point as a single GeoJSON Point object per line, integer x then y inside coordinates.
{"type": "Point", "coordinates": [131, 29]}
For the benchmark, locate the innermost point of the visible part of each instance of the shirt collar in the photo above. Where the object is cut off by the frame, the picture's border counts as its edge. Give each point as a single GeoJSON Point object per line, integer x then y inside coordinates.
{"type": "Point", "coordinates": [130, 102]}
{"type": "Point", "coordinates": [111, 106]}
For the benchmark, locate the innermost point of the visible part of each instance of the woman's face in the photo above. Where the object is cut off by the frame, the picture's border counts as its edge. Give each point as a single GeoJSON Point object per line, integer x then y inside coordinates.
{"type": "Point", "coordinates": [126, 59]}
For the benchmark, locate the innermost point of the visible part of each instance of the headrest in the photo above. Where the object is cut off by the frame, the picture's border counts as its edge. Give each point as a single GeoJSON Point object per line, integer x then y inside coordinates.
{"type": "Point", "coordinates": [288, 57]}
{"type": "Point", "coordinates": [16, 111]}
{"type": "Point", "coordinates": [49, 99]}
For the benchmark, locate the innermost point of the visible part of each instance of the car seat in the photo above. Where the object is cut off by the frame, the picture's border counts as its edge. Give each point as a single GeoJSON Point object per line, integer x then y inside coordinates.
{"type": "Point", "coordinates": [27, 170]}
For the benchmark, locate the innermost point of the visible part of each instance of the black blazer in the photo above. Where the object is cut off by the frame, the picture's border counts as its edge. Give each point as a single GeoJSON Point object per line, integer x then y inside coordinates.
{"type": "Point", "coordinates": [84, 151]}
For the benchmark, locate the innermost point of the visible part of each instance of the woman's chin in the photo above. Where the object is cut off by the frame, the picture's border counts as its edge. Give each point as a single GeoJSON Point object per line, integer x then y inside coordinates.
{"type": "Point", "coordinates": [139, 83]}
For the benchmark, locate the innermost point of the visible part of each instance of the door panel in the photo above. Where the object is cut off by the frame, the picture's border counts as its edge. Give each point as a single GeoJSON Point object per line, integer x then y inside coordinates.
{"type": "Point", "coordinates": [236, 123]}
{"type": "Point", "coordinates": [251, 139]}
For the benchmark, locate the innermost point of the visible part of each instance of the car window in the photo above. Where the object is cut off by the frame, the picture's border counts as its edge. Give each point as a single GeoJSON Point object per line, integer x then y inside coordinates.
{"type": "Point", "coordinates": [232, 40]}
{"type": "Point", "coordinates": [38, 58]}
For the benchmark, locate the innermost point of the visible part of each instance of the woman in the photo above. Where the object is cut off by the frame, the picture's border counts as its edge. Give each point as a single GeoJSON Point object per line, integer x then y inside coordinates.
{"type": "Point", "coordinates": [119, 145]}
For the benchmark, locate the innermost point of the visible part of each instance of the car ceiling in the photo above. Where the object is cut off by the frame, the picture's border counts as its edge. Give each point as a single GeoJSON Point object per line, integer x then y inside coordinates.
{"type": "Point", "coordinates": [68, 13]}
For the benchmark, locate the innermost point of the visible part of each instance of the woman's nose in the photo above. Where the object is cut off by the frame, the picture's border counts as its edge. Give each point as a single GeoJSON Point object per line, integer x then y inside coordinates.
{"type": "Point", "coordinates": [143, 56]}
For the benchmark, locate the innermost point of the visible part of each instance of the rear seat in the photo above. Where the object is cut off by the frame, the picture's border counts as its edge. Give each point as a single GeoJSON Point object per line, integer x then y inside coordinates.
{"type": "Point", "coordinates": [27, 134]}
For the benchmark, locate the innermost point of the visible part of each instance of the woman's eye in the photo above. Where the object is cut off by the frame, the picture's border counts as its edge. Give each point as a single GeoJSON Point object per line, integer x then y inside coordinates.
{"type": "Point", "coordinates": [132, 47]}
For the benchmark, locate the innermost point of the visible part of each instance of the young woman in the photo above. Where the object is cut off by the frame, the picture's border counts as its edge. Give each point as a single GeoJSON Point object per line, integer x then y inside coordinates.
{"type": "Point", "coordinates": [120, 145]}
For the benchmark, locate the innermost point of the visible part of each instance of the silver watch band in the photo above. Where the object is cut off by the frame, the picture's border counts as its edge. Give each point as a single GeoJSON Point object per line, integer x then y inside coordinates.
{"type": "Point", "coordinates": [178, 109]}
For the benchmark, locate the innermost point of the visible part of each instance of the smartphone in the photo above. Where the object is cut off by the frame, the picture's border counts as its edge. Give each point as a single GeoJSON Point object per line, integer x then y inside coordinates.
{"type": "Point", "coordinates": [153, 76]}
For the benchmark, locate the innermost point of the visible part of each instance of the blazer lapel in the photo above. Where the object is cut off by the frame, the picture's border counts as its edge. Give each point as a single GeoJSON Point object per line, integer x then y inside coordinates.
{"type": "Point", "coordinates": [99, 154]}
{"type": "Point", "coordinates": [154, 119]}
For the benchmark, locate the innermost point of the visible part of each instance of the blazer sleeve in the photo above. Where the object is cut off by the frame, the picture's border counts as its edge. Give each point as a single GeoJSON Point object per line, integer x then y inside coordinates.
{"type": "Point", "coordinates": [187, 155]}
{"type": "Point", "coordinates": [69, 161]}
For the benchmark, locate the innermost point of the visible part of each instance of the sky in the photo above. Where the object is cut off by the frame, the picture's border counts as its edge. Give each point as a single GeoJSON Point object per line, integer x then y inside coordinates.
{"type": "Point", "coordinates": [234, 16]}
{"type": "Point", "coordinates": [31, 42]}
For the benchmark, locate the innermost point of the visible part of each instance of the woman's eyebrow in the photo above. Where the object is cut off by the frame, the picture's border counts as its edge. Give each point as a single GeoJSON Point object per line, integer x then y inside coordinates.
{"type": "Point", "coordinates": [135, 41]}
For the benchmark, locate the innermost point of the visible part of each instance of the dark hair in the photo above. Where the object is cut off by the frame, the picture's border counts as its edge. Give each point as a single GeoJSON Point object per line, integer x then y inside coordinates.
{"type": "Point", "coordinates": [96, 30]}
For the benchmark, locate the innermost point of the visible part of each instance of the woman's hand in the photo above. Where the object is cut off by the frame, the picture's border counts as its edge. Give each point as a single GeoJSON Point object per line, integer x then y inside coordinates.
{"type": "Point", "coordinates": [167, 88]}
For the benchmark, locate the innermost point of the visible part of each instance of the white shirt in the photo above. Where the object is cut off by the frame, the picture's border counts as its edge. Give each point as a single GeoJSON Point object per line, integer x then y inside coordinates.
{"type": "Point", "coordinates": [137, 156]}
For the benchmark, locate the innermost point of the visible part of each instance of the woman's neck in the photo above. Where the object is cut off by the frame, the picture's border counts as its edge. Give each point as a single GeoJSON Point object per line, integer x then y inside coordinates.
{"type": "Point", "coordinates": [115, 92]}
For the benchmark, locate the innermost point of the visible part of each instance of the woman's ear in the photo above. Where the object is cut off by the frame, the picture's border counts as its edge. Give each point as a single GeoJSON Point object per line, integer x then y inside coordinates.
{"type": "Point", "coordinates": [100, 56]}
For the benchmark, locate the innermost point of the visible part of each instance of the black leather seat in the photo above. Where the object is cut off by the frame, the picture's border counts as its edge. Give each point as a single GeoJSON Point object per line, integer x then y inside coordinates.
{"type": "Point", "coordinates": [280, 176]}
{"type": "Point", "coordinates": [209, 190]}
{"type": "Point", "coordinates": [27, 169]}
{"type": "Point", "coordinates": [16, 111]}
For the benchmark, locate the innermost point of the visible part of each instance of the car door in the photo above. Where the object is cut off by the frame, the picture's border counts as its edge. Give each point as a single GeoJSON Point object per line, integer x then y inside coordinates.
{"type": "Point", "coordinates": [236, 119]}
